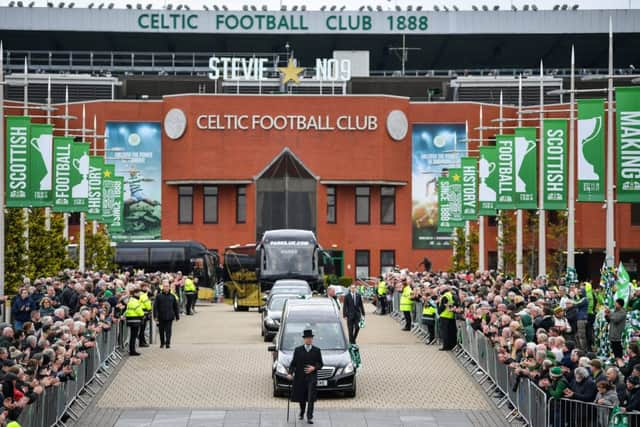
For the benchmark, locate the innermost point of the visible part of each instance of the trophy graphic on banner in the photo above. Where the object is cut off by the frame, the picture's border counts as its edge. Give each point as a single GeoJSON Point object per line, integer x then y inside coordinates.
{"type": "Point", "coordinates": [588, 129]}
{"type": "Point", "coordinates": [44, 145]}
{"type": "Point", "coordinates": [485, 168]}
{"type": "Point", "coordinates": [523, 147]}
{"type": "Point", "coordinates": [81, 190]}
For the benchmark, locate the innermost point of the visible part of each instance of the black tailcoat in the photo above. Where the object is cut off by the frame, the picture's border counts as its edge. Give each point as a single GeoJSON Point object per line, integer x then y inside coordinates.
{"type": "Point", "coordinates": [304, 385]}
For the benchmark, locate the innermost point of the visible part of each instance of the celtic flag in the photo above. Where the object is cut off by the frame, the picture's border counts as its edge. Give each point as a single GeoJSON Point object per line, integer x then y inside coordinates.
{"type": "Point", "coordinates": [525, 170]}
{"type": "Point", "coordinates": [94, 205]}
{"type": "Point", "coordinates": [506, 176]}
{"type": "Point", "coordinates": [444, 211]}
{"type": "Point", "coordinates": [590, 148]}
{"type": "Point", "coordinates": [628, 144]}
{"type": "Point", "coordinates": [554, 164]}
{"type": "Point", "coordinates": [40, 164]}
{"type": "Point", "coordinates": [17, 162]}
{"type": "Point", "coordinates": [623, 284]}
{"type": "Point", "coordinates": [488, 181]}
{"type": "Point", "coordinates": [469, 188]}
{"type": "Point", "coordinates": [455, 197]}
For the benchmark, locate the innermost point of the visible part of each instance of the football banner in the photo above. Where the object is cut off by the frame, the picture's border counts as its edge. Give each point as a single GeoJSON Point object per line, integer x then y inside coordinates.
{"type": "Point", "coordinates": [469, 188]}
{"type": "Point", "coordinates": [525, 170]}
{"type": "Point", "coordinates": [40, 164]}
{"type": "Point", "coordinates": [488, 180]}
{"type": "Point", "coordinates": [590, 148]}
{"type": "Point", "coordinates": [505, 154]}
{"type": "Point", "coordinates": [628, 144]}
{"type": "Point", "coordinates": [62, 174]}
{"type": "Point", "coordinates": [94, 202]}
{"type": "Point", "coordinates": [554, 164]}
{"type": "Point", "coordinates": [17, 162]}
{"type": "Point", "coordinates": [444, 212]}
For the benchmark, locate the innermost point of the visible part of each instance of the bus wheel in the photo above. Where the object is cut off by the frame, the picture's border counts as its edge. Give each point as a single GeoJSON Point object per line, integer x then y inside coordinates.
{"type": "Point", "coordinates": [236, 307]}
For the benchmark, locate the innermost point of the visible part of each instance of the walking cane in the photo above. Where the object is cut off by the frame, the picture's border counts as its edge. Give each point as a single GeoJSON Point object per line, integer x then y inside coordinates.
{"type": "Point", "coordinates": [289, 401]}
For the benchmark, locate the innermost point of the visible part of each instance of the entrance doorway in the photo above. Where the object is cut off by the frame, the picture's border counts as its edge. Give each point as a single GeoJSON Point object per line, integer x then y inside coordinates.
{"type": "Point", "coordinates": [286, 196]}
{"type": "Point", "coordinates": [337, 259]}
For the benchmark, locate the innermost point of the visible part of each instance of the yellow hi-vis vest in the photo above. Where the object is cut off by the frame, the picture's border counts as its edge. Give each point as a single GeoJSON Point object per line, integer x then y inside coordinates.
{"type": "Point", "coordinates": [382, 288]}
{"type": "Point", "coordinates": [429, 310]}
{"type": "Point", "coordinates": [134, 308]}
{"type": "Point", "coordinates": [145, 301]}
{"type": "Point", "coordinates": [447, 313]}
{"type": "Point", "coordinates": [189, 286]}
{"type": "Point", "coordinates": [406, 304]}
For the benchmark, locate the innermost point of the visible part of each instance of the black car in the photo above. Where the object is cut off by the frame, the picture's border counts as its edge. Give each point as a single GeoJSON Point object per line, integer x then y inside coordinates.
{"type": "Point", "coordinates": [272, 313]}
{"type": "Point", "coordinates": [323, 317]}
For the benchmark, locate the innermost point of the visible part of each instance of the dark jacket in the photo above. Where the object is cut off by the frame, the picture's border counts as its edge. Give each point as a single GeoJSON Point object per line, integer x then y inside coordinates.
{"type": "Point", "coordinates": [351, 309]}
{"type": "Point", "coordinates": [628, 367]}
{"type": "Point", "coordinates": [633, 400]}
{"type": "Point", "coordinates": [21, 308]}
{"type": "Point", "coordinates": [617, 321]}
{"type": "Point", "coordinates": [165, 307]}
{"type": "Point", "coordinates": [572, 318]}
{"type": "Point", "coordinates": [583, 308]}
{"type": "Point", "coordinates": [584, 391]}
{"type": "Point", "coordinates": [304, 385]}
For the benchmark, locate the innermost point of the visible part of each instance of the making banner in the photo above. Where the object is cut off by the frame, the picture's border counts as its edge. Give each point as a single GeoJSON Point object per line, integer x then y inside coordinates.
{"type": "Point", "coordinates": [554, 164]}
{"type": "Point", "coordinates": [505, 154]}
{"type": "Point", "coordinates": [138, 159]}
{"type": "Point", "coordinates": [488, 181]}
{"type": "Point", "coordinates": [94, 203]}
{"type": "Point", "coordinates": [40, 164]}
{"type": "Point", "coordinates": [590, 148]}
{"type": "Point", "coordinates": [435, 148]}
{"type": "Point", "coordinates": [628, 144]}
{"type": "Point", "coordinates": [525, 172]}
{"type": "Point", "coordinates": [469, 188]}
{"type": "Point", "coordinates": [17, 164]}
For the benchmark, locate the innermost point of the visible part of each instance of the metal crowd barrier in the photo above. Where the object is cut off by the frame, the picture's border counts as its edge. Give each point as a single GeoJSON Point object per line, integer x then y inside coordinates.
{"type": "Point", "coordinates": [68, 398]}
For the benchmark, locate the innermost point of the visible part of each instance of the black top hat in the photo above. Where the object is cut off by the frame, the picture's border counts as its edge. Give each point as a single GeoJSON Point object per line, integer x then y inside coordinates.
{"type": "Point", "coordinates": [308, 333]}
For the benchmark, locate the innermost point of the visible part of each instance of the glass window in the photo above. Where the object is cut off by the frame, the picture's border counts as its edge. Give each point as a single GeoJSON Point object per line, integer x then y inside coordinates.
{"type": "Point", "coordinates": [185, 204]}
{"type": "Point", "coordinates": [362, 264]}
{"type": "Point", "coordinates": [132, 256]}
{"type": "Point", "coordinates": [387, 205]}
{"type": "Point", "coordinates": [331, 205]}
{"type": "Point", "coordinates": [241, 204]}
{"type": "Point", "coordinates": [387, 261]}
{"type": "Point", "coordinates": [635, 214]}
{"type": "Point", "coordinates": [363, 201]}
{"type": "Point", "coordinates": [210, 205]}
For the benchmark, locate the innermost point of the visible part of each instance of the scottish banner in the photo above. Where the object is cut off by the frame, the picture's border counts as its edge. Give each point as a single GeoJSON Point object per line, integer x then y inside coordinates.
{"type": "Point", "coordinates": [628, 144]}
{"type": "Point", "coordinates": [525, 168]}
{"type": "Point", "coordinates": [590, 149]}
{"type": "Point", "coordinates": [63, 176]}
{"type": "Point", "coordinates": [455, 197]}
{"type": "Point", "coordinates": [469, 188]}
{"type": "Point", "coordinates": [488, 181]}
{"type": "Point", "coordinates": [505, 162]}
{"type": "Point", "coordinates": [94, 202]}
{"type": "Point", "coordinates": [17, 162]}
{"type": "Point", "coordinates": [444, 213]}
{"type": "Point", "coordinates": [554, 164]}
{"type": "Point", "coordinates": [40, 164]}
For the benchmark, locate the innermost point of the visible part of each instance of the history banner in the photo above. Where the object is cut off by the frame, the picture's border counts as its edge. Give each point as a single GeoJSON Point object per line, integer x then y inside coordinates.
{"type": "Point", "coordinates": [17, 162]}
{"type": "Point", "coordinates": [628, 144]}
{"type": "Point", "coordinates": [138, 158]}
{"type": "Point", "coordinates": [436, 147]}
{"type": "Point", "coordinates": [94, 202]}
{"type": "Point", "coordinates": [488, 180]}
{"type": "Point", "coordinates": [444, 213]}
{"type": "Point", "coordinates": [554, 164]}
{"type": "Point", "coordinates": [469, 188]}
{"type": "Point", "coordinates": [505, 163]}
{"type": "Point", "coordinates": [590, 148]}
{"type": "Point", "coordinates": [40, 164]}
{"type": "Point", "coordinates": [525, 170]}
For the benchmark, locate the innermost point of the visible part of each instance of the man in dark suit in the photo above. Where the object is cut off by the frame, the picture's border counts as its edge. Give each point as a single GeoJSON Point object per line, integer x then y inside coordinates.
{"type": "Point", "coordinates": [307, 360]}
{"type": "Point", "coordinates": [165, 311]}
{"type": "Point", "coordinates": [353, 311]}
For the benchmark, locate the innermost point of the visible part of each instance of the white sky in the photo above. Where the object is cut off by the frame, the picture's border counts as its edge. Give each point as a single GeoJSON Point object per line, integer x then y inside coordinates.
{"type": "Point", "coordinates": [349, 4]}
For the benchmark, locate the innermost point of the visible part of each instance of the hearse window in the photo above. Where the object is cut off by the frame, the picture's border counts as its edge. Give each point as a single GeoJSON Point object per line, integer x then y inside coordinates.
{"type": "Point", "coordinates": [132, 256]}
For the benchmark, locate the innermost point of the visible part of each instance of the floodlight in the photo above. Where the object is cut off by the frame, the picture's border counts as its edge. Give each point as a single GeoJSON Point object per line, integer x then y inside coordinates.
{"type": "Point", "coordinates": [514, 8]}
{"type": "Point", "coordinates": [129, 6]}
{"type": "Point", "coordinates": [205, 7]}
{"type": "Point", "coordinates": [245, 7]}
{"type": "Point", "coordinates": [253, 8]}
{"type": "Point", "coordinates": [496, 7]}
{"type": "Point", "coordinates": [101, 6]}
{"type": "Point", "coordinates": [186, 7]}
{"type": "Point", "coordinates": [446, 9]}
{"type": "Point", "coordinates": [369, 8]}
{"type": "Point", "coordinates": [323, 8]}
{"type": "Point", "coordinates": [564, 7]}
{"type": "Point", "coordinates": [19, 4]}
{"type": "Point", "coordinates": [149, 6]}
{"type": "Point", "coordinates": [283, 8]}
{"type": "Point", "coordinates": [361, 9]}
{"type": "Point", "coordinates": [575, 7]}
{"type": "Point", "coordinates": [455, 8]}
{"type": "Point", "coordinates": [169, 6]}
{"type": "Point", "coordinates": [179, 7]}
{"type": "Point", "coordinates": [534, 7]}
{"type": "Point", "coordinates": [70, 4]}
{"type": "Point", "coordinates": [139, 6]}
{"type": "Point", "coordinates": [409, 8]}
{"type": "Point", "coordinates": [111, 5]}
{"type": "Point", "coordinates": [12, 3]}
{"type": "Point", "coordinates": [303, 8]}
{"type": "Point", "coordinates": [525, 7]}
{"type": "Point", "coordinates": [379, 8]}
{"type": "Point", "coordinates": [436, 8]}
{"type": "Point", "coordinates": [485, 7]}
{"type": "Point", "coordinates": [61, 5]}
{"type": "Point", "coordinates": [295, 8]}
{"type": "Point", "coordinates": [419, 8]}
{"type": "Point", "coordinates": [49, 4]}
{"type": "Point", "coordinates": [556, 7]}
{"type": "Point", "coordinates": [474, 7]}
{"type": "Point", "coordinates": [224, 7]}
{"type": "Point", "coordinates": [342, 8]}
{"type": "Point", "coordinates": [264, 7]}
{"type": "Point", "coordinates": [333, 8]}
{"type": "Point", "coordinates": [32, 4]}
{"type": "Point", "coordinates": [215, 7]}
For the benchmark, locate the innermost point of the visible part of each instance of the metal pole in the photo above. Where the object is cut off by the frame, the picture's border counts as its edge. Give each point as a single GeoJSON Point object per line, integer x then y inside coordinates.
{"type": "Point", "coordinates": [25, 112]}
{"type": "Point", "coordinates": [94, 224]}
{"type": "Point", "coordinates": [519, 222]}
{"type": "Point", "coordinates": [610, 227]}
{"type": "Point", "coordinates": [47, 210]}
{"type": "Point", "coordinates": [481, 248]}
{"type": "Point", "coordinates": [542, 226]}
{"type": "Point", "coordinates": [81, 245]}
{"type": "Point", "coordinates": [65, 232]}
{"type": "Point", "coordinates": [2, 160]}
{"type": "Point", "coordinates": [571, 226]}
{"type": "Point", "coordinates": [500, 226]}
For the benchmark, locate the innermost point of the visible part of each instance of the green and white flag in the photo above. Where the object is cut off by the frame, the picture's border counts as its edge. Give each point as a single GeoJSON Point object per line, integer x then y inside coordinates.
{"type": "Point", "coordinates": [455, 197]}
{"type": "Point", "coordinates": [506, 176]}
{"type": "Point", "coordinates": [62, 174]}
{"type": "Point", "coordinates": [488, 181]}
{"type": "Point", "coordinates": [444, 212]}
{"type": "Point", "coordinates": [623, 284]}
{"type": "Point", "coordinates": [590, 148]}
{"type": "Point", "coordinates": [554, 164]}
{"type": "Point", "coordinates": [94, 202]}
{"type": "Point", "coordinates": [108, 174]}
{"type": "Point", "coordinates": [80, 174]}
{"type": "Point", "coordinates": [118, 204]}
{"type": "Point", "coordinates": [469, 188]}
{"type": "Point", "coordinates": [628, 144]}
{"type": "Point", "coordinates": [17, 162]}
{"type": "Point", "coordinates": [525, 168]}
{"type": "Point", "coordinates": [41, 164]}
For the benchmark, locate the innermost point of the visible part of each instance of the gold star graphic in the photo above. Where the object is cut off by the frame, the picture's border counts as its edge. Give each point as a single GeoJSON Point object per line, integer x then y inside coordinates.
{"type": "Point", "coordinates": [291, 73]}
{"type": "Point", "coordinates": [107, 173]}
{"type": "Point", "coordinates": [456, 177]}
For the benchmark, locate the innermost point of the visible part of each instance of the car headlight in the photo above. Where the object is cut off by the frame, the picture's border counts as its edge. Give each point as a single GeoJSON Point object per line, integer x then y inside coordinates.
{"type": "Point", "coordinates": [280, 368]}
{"type": "Point", "coordinates": [348, 369]}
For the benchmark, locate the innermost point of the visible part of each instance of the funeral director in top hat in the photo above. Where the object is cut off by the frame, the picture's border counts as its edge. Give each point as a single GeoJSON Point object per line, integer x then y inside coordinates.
{"type": "Point", "coordinates": [306, 362]}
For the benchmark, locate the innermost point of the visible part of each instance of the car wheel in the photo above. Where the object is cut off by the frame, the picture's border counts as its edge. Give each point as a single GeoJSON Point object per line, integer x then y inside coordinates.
{"type": "Point", "coordinates": [236, 307]}
{"type": "Point", "coordinates": [352, 393]}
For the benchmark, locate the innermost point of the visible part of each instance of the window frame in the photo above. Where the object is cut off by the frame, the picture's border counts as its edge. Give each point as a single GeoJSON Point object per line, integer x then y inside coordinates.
{"type": "Point", "coordinates": [368, 197]}
{"type": "Point", "coordinates": [241, 189]}
{"type": "Point", "coordinates": [334, 205]}
{"type": "Point", "coordinates": [386, 197]}
{"type": "Point", "coordinates": [205, 196]}
{"type": "Point", "coordinates": [392, 265]}
{"type": "Point", "coordinates": [180, 197]}
{"type": "Point", "coordinates": [368, 265]}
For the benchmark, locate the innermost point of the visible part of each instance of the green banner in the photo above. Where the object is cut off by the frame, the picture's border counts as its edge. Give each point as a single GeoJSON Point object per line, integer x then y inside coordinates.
{"type": "Point", "coordinates": [590, 148]}
{"type": "Point", "coordinates": [17, 163]}
{"type": "Point", "coordinates": [94, 202]}
{"type": "Point", "coordinates": [80, 176]}
{"type": "Point", "coordinates": [40, 164]}
{"type": "Point", "coordinates": [488, 181]}
{"type": "Point", "coordinates": [108, 174]}
{"type": "Point", "coordinates": [444, 213]}
{"type": "Point", "coordinates": [62, 174]}
{"type": "Point", "coordinates": [469, 188]}
{"type": "Point", "coordinates": [455, 197]}
{"type": "Point", "coordinates": [628, 144]}
{"type": "Point", "coordinates": [525, 168]}
{"type": "Point", "coordinates": [118, 204]}
{"type": "Point", "coordinates": [506, 177]}
{"type": "Point", "coordinates": [554, 164]}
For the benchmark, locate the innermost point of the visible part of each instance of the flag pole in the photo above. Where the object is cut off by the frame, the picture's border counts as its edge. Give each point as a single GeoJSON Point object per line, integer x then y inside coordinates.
{"type": "Point", "coordinates": [481, 248]}
{"type": "Point", "coordinates": [47, 209]}
{"type": "Point", "coordinates": [2, 160]}
{"type": "Point", "coordinates": [519, 221]}
{"type": "Point", "coordinates": [94, 224]}
{"type": "Point", "coordinates": [65, 231]}
{"type": "Point", "coordinates": [500, 225]}
{"type": "Point", "coordinates": [542, 226]}
{"type": "Point", "coordinates": [81, 245]}
{"type": "Point", "coordinates": [571, 221]}
{"type": "Point", "coordinates": [610, 222]}
{"type": "Point", "coordinates": [25, 112]}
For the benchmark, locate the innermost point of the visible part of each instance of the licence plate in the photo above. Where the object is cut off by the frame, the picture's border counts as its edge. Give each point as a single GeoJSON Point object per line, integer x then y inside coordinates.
{"type": "Point", "coordinates": [323, 383]}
